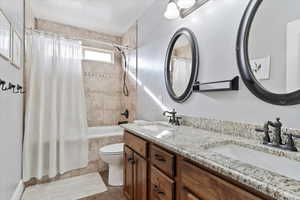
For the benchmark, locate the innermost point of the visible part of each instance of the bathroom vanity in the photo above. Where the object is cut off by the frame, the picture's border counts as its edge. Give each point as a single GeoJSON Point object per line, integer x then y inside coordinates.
{"type": "Point", "coordinates": [167, 163]}
{"type": "Point", "coordinates": [148, 167]}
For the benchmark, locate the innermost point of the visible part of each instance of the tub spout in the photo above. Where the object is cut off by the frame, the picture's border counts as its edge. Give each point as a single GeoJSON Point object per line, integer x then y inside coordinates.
{"type": "Point", "coordinates": [126, 113]}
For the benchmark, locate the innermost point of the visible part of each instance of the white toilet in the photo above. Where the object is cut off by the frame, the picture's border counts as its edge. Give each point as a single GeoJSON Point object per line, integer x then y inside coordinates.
{"type": "Point", "coordinates": [113, 156]}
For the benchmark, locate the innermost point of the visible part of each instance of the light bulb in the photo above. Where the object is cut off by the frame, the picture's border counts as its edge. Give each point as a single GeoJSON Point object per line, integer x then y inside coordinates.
{"type": "Point", "coordinates": [185, 3]}
{"type": "Point", "coordinates": [172, 11]}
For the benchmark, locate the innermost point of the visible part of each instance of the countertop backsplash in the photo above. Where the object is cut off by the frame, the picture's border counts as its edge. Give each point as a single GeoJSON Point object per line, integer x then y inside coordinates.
{"type": "Point", "coordinates": [238, 129]}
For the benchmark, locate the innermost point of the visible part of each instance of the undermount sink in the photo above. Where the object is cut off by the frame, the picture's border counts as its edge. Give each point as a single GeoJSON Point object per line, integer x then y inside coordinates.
{"type": "Point", "coordinates": [156, 127]}
{"type": "Point", "coordinates": [280, 165]}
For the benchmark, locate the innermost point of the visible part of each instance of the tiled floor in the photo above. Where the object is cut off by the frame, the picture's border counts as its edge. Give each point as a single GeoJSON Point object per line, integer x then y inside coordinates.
{"type": "Point", "coordinates": [113, 193]}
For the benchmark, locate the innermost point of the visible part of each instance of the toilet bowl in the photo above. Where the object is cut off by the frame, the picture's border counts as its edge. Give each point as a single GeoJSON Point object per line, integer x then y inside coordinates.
{"type": "Point", "coordinates": [113, 156]}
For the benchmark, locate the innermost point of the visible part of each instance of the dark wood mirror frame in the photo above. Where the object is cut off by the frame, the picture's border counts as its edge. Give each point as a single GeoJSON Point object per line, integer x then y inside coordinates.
{"type": "Point", "coordinates": [244, 64]}
{"type": "Point", "coordinates": [195, 64]}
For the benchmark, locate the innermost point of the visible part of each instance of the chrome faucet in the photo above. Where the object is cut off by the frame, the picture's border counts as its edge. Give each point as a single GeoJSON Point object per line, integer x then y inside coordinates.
{"type": "Point", "coordinates": [173, 119]}
{"type": "Point", "coordinates": [277, 138]}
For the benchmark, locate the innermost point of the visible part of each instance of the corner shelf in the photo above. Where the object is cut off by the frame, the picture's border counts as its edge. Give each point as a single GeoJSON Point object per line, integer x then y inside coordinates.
{"type": "Point", "coordinates": [226, 85]}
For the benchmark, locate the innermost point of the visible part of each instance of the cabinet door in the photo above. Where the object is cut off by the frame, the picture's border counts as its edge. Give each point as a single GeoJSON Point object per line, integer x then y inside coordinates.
{"type": "Point", "coordinates": [137, 144]}
{"type": "Point", "coordinates": [128, 173]}
{"type": "Point", "coordinates": [162, 187]}
{"type": "Point", "coordinates": [140, 178]}
{"type": "Point", "coordinates": [163, 160]}
{"type": "Point", "coordinates": [210, 187]}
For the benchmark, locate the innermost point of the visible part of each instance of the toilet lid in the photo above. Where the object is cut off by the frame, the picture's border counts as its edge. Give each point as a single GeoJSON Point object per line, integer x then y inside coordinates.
{"type": "Point", "coordinates": [112, 149]}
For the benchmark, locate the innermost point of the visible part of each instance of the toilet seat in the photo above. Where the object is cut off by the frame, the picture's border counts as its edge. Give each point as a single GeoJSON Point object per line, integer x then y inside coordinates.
{"type": "Point", "coordinates": [112, 149]}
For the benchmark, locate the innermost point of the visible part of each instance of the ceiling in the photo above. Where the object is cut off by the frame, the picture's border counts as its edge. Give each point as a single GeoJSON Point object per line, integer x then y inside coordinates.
{"type": "Point", "coordinates": [106, 16]}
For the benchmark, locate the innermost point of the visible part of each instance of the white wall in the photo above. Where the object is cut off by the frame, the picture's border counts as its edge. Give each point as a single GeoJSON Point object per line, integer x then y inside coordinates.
{"type": "Point", "coordinates": [215, 26]}
{"type": "Point", "coordinates": [11, 109]}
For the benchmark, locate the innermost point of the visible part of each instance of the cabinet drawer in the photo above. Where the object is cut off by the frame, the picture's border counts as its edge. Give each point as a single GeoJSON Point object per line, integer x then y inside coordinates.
{"type": "Point", "coordinates": [210, 187]}
{"type": "Point", "coordinates": [137, 144]}
{"type": "Point", "coordinates": [187, 195]}
{"type": "Point", "coordinates": [162, 160]}
{"type": "Point", "coordinates": [162, 187]}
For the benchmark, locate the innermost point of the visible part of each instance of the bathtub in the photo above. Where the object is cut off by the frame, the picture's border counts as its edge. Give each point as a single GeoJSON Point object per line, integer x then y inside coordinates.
{"type": "Point", "coordinates": [104, 131]}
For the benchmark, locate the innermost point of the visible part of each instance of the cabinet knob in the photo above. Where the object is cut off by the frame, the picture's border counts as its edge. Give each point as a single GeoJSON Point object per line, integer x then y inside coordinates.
{"type": "Point", "coordinates": [157, 190]}
{"type": "Point", "coordinates": [131, 160]}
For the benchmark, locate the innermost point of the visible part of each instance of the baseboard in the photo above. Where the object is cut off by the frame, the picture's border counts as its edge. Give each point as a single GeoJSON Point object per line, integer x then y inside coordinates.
{"type": "Point", "coordinates": [18, 192]}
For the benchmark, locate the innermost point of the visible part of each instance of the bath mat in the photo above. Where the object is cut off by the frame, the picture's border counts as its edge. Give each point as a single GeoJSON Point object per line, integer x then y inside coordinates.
{"type": "Point", "coordinates": [67, 189]}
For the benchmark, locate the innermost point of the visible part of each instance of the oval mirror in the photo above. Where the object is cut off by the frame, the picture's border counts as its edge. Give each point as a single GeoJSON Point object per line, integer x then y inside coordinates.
{"type": "Point", "coordinates": [268, 50]}
{"type": "Point", "coordinates": [181, 66]}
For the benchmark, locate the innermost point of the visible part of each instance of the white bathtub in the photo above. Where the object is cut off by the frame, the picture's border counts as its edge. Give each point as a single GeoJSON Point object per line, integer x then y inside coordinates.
{"type": "Point", "coordinates": [104, 131]}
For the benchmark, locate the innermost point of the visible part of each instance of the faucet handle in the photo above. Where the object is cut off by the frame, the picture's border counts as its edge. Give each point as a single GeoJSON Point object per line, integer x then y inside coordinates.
{"type": "Point", "coordinates": [277, 125]}
{"type": "Point", "coordinates": [168, 113]}
{"type": "Point", "coordinates": [266, 138]}
{"type": "Point", "coordinates": [296, 136]}
{"type": "Point", "coordinates": [290, 144]}
{"type": "Point", "coordinates": [170, 119]}
{"type": "Point", "coordinates": [292, 135]}
{"type": "Point", "coordinates": [177, 122]}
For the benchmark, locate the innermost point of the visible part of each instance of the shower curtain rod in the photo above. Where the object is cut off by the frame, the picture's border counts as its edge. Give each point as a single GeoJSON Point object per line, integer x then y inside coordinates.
{"type": "Point", "coordinates": [81, 39]}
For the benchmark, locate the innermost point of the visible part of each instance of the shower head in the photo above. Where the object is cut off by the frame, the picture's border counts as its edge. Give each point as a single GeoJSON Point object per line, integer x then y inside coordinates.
{"type": "Point", "coordinates": [121, 49]}
{"type": "Point", "coordinates": [118, 48]}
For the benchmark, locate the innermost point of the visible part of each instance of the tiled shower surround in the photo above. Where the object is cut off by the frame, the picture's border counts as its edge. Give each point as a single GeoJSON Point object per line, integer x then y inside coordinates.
{"type": "Point", "coordinates": [103, 81]}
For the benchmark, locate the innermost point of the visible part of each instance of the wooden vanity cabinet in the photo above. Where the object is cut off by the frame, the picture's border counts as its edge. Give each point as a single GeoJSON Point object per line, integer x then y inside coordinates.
{"type": "Point", "coordinates": [197, 183]}
{"type": "Point", "coordinates": [154, 173]}
{"type": "Point", "coordinates": [135, 168]}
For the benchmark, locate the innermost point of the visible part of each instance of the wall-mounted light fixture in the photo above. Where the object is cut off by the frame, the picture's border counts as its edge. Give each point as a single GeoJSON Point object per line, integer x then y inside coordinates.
{"type": "Point", "coordinates": [182, 8]}
{"type": "Point", "coordinates": [172, 11]}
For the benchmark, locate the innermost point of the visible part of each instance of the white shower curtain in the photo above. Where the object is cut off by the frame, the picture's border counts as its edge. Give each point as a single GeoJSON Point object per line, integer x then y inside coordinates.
{"type": "Point", "coordinates": [55, 120]}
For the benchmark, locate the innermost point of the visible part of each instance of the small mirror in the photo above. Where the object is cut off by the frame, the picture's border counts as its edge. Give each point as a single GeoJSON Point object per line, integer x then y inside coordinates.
{"type": "Point", "coordinates": [269, 50]}
{"type": "Point", "coordinates": [181, 65]}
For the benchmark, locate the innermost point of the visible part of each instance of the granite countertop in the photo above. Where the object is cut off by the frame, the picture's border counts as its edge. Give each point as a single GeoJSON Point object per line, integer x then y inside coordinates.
{"type": "Point", "coordinates": [194, 144]}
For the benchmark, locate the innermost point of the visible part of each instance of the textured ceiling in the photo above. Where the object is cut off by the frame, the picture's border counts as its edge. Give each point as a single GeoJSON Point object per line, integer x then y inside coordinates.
{"type": "Point", "coordinates": [107, 16]}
